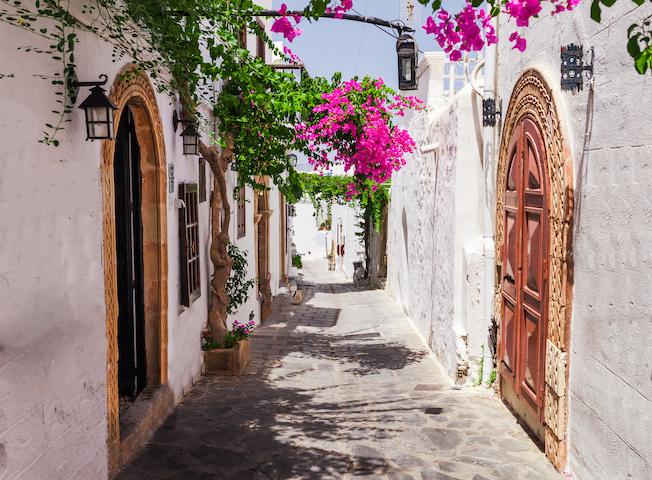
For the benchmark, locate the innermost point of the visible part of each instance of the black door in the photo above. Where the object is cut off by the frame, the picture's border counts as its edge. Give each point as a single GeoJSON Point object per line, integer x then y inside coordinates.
{"type": "Point", "coordinates": [132, 373]}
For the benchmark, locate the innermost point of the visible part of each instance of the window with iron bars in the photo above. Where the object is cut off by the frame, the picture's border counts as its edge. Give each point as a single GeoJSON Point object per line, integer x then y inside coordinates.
{"type": "Point", "coordinates": [189, 244]}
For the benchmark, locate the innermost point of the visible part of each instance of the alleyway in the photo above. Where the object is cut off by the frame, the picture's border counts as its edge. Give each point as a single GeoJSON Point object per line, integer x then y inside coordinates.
{"type": "Point", "coordinates": [339, 387]}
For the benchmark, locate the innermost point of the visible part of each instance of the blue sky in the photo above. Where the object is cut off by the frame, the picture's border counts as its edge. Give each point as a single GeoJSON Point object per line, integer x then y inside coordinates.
{"type": "Point", "coordinates": [353, 48]}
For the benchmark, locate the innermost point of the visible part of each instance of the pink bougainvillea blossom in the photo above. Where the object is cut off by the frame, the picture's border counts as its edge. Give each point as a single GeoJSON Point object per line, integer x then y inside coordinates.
{"type": "Point", "coordinates": [353, 127]}
{"type": "Point", "coordinates": [341, 9]}
{"type": "Point", "coordinates": [471, 29]}
{"type": "Point", "coordinates": [284, 26]}
{"type": "Point", "coordinates": [468, 31]}
{"type": "Point", "coordinates": [291, 56]}
{"type": "Point", "coordinates": [519, 42]}
{"type": "Point", "coordinates": [523, 10]}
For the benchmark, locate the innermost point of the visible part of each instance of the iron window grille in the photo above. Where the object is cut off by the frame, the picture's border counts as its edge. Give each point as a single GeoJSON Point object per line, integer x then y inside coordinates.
{"type": "Point", "coordinates": [189, 244]}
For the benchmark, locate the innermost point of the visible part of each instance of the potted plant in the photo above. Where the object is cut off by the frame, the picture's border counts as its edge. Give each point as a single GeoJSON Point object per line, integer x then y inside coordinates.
{"type": "Point", "coordinates": [231, 355]}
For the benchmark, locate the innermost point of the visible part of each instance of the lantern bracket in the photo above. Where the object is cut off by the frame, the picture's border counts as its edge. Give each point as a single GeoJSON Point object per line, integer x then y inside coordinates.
{"type": "Point", "coordinates": [74, 84]}
{"type": "Point", "coordinates": [176, 120]}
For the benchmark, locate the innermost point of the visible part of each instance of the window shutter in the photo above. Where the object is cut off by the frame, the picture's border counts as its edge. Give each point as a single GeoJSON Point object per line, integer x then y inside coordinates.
{"type": "Point", "coordinates": [202, 180]}
{"type": "Point", "coordinates": [189, 271]}
{"type": "Point", "coordinates": [241, 210]}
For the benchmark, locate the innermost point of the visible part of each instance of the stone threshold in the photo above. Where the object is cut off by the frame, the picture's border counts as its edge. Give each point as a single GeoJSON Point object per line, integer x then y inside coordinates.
{"type": "Point", "coordinates": [142, 418]}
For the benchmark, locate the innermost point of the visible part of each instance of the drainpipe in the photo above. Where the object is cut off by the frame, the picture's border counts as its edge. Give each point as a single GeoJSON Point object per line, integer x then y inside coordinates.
{"type": "Point", "coordinates": [491, 144]}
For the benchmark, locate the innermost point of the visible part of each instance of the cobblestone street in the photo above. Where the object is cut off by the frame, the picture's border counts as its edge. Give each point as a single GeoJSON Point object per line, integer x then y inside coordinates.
{"type": "Point", "coordinates": [339, 387]}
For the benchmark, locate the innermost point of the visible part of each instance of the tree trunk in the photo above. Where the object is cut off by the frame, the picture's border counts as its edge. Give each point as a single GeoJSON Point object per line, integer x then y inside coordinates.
{"type": "Point", "coordinates": [220, 221]}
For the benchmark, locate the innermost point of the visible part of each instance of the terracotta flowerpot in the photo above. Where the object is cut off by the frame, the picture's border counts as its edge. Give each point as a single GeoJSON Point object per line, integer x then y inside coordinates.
{"type": "Point", "coordinates": [227, 361]}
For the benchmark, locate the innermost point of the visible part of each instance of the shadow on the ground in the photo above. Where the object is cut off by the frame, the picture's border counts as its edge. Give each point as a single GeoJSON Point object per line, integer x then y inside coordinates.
{"type": "Point", "coordinates": [258, 427]}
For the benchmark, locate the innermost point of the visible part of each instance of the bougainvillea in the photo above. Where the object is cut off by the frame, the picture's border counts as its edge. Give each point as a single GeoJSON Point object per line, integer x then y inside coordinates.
{"type": "Point", "coordinates": [353, 126]}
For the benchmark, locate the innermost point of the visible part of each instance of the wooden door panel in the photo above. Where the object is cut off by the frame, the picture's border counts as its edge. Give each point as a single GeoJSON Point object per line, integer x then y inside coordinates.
{"type": "Point", "coordinates": [510, 267]}
{"type": "Point", "coordinates": [532, 346]}
{"type": "Point", "coordinates": [509, 338]}
{"type": "Point", "coordinates": [532, 254]}
{"type": "Point", "coordinates": [524, 274]}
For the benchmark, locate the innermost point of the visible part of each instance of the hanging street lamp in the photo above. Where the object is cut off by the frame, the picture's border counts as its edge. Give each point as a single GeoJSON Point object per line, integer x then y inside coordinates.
{"type": "Point", "coordinates": [98, 109]}
{"type": "Point", "coordinates": [408, 54]}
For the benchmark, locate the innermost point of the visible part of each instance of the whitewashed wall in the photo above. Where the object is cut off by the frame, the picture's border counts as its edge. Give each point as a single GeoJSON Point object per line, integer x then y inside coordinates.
{"type": "Point", "coordinates": [434, 242]}
{"type": "Point", "coordinates": [610, 421]}
{"type": "Point", "coordinates": [313, 243]}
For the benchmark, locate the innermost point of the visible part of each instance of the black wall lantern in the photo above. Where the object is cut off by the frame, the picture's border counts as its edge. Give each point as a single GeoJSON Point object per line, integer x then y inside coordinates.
{"type": "Point", "coordinates": [489, 112]}
{"type": "Point", "coordinates": [190, 140]}
{"type": "Point", "coordinates": [98, 108]}
{"type": "Point", "coordinates": [407, 51]}
{"type": "Point", "coordinates": [572, 67]}
{"type": "Point", "coordinates": [190, 135]}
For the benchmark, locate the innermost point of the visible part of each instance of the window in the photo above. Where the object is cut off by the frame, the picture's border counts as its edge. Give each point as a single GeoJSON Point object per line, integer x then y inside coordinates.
{"type": "Point", "coordinates": [202, 180]}
{"type": "Point", "coordinates": [242, 225]}
{"type": "Point", "coordinates": [189, 244]}
{"type": "Point", "coordinates": [260, 44]}
{"type": "Point", "coordinates": [242, 37]}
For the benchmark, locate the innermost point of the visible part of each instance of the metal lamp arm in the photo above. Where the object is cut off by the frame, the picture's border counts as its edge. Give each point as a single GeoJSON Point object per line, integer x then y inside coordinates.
{"type": "Point", "coordinates": [399, 27]}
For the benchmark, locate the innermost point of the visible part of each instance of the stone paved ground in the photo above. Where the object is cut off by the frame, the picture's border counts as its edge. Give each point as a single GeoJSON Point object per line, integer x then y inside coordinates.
{"type": "Point", "coordinates": [331, 395]}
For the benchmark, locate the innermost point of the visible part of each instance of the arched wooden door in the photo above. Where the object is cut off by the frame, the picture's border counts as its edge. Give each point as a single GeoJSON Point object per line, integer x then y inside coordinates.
{"type": "Point", "coordinates": [524, 279]}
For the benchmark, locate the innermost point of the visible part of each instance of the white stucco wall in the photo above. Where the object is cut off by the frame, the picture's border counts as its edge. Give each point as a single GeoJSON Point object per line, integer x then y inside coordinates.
{"type": "Point", "coordinates": [610, 419]}
{"type": "Point", "coordinates": [313, 243]}
{"type": "Point", "coordinates": [434, 242]}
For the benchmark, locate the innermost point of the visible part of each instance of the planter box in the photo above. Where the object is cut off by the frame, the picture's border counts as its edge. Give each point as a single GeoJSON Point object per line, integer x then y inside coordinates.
{"type": "Point", "coordinates": [227, 361]}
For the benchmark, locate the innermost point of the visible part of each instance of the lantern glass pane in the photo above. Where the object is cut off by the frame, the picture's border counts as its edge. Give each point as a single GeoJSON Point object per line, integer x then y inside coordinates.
{"type": "Point", "coordinates": [99, 122]}
{"type": "Point", "coordinates": [190, 145]}
{"type": "Point", "coordinates": [406, 68]}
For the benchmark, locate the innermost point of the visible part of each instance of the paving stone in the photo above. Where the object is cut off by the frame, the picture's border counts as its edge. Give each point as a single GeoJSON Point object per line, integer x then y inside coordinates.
{"type": "Point", "coordinates": [316, 405]}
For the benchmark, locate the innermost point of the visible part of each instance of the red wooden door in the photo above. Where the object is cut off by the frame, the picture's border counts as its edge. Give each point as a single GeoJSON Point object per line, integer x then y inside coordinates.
{"type": "Point", "coordinates": [524, 274]}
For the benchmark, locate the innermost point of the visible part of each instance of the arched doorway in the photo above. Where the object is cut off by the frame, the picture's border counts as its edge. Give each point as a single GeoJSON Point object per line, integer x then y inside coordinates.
{"type": "Point", "coordinates": [533, 297]}
{"type": "Point", "coordinates": [524, 280]}
{"type": "Point", "coordinates": [135, 262]}
{"type": "Point", "coordinates": [132, 355]}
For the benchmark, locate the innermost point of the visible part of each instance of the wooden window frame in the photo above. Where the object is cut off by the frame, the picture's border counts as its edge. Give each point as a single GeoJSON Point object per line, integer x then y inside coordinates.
{"type": "Point", "coordinates": [242, 213]}
{"type": "Point", "coordinates": [189, 251]}
{"type": "Point", "coordinates": [202, 180]}
{"type": "Point", "coordinates": [260, 44]}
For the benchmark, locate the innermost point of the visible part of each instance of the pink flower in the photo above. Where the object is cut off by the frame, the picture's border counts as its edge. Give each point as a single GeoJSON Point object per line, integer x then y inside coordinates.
{"type": "Point", "coordinates": [523, 10]}
{"type": "Point", "coordinates": [519, 42]}
{"type": "Point", "coordinates": [284, 26]}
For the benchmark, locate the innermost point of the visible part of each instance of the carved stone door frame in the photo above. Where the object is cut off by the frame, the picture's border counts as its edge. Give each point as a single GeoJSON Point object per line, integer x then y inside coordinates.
{"type": "Point", "coordinates": [133, 90]}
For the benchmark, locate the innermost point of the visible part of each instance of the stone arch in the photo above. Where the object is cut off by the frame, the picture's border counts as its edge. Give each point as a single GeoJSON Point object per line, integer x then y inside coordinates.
{"type": "Point", "coordinates": [532, 97]}
{"type": "Point", "coordinates": [133, 90]}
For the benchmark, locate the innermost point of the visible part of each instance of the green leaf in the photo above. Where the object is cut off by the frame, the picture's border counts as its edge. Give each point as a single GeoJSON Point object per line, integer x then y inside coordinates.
{"type": "Point", "coordinates": [633, 47]}
{"type": "Point", "coordinates": [639, 2]}
{"type": "Point", "coordinates": [596, 13]}
{"type": "Point", "coordinates": [643, 61]}
{"type": "Point", "coordinates": [608, 3]}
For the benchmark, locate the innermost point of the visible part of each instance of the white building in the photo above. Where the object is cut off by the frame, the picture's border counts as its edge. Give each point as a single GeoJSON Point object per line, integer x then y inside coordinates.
{"type": "Point", "coordinates": [566, 200]}
{"type": "Point", "coordinates": [96, 344]}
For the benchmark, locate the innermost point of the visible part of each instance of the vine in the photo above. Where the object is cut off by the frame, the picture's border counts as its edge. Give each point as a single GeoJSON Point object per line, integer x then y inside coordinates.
{"type": "Point", "coordinates": [326, 190]}
{"type": "Point", "coordinates": [61, 38]}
